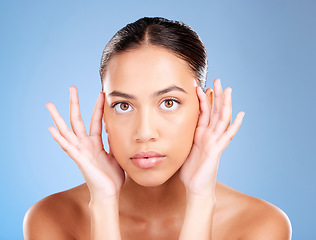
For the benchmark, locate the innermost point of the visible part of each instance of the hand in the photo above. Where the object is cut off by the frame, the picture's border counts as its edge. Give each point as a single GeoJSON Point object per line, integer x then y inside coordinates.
{"type": "Point", "coordinates": [212, 135]}
{"type": "Point", "coordinates": [101, 171]}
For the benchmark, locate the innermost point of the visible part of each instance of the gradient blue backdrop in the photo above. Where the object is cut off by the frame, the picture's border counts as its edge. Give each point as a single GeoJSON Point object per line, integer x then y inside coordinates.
{"type": "Point", "coordinates": [264, 50]}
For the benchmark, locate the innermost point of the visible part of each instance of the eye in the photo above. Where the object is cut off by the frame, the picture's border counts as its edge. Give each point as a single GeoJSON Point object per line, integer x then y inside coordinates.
{"type": "Point", "coordinates": [169, 104]}
{"type": "Point", "coordinates": [122, 107]}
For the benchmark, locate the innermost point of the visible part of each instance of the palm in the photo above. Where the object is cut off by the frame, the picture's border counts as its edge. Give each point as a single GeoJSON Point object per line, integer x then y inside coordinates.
{"type": "Point", "coordinates": [212, 136]}
{"type": "Point", "coordinates": [99, 166]}
{"type": "Point", "coordinates": [102, 173]}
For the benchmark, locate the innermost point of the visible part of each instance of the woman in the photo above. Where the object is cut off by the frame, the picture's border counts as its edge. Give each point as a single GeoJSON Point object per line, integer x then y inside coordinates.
{"type": "Point", "coordinates": [158, 179]}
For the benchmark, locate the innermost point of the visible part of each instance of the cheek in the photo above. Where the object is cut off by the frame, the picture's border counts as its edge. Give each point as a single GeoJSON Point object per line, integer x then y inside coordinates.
{"type": "Point", "coordinates": [181, 130]}
{"type": "Point", "coordinates": [120, 144]}
{"type": "Point", "coordinates": [117, 134]}
{"type": "Point", "coordinates": [183, 125]}
{"type": "Point", "coordinates": [187, 118]}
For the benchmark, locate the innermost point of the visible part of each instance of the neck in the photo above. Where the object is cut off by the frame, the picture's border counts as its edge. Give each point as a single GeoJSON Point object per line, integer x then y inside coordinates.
{"type": "Point", "coordinates": [166, 199]}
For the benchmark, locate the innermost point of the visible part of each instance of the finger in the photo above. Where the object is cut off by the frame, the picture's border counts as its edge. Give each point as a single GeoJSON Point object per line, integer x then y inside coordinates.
{"type": "Point", "coordinates": [232, 130]}
{"type": "Point", "coordinates": [61, 125]}
{"type": "Point", "coordinates": [75, 116]}
{"type": "Point", "coordinates": [96, 119]}
{"type": "Point", "coordinates": [204, 118]}
{"type": "Point", "coordinates": [218, 103]}
{"type": "Point", "coordinates": [210, 97]}
{"type": "Point", "coordinates": [109, 147]}
{"type": "Point", "coordinates": [226, 115]}
{"type": "Point", "coordinates": [64, 144]}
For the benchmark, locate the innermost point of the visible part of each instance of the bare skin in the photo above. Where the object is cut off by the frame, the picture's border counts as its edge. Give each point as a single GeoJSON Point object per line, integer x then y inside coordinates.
{"type": "Point", "coordinates": [237, 215]}
{"type": "Point", "coordinates": [177, 199]}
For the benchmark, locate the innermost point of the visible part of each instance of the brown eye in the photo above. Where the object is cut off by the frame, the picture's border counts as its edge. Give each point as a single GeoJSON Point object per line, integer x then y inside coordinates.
{"type": "Point", "coordinates": [124, 106]}
{"type": "Point", "coordinates": [168, 103]}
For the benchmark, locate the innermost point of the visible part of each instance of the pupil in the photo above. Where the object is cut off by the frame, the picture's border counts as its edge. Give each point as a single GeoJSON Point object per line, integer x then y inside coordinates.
{"type": "Point", "coordinates": [124, 106]}
{"type": "Point", "coordinates": [169, 103]}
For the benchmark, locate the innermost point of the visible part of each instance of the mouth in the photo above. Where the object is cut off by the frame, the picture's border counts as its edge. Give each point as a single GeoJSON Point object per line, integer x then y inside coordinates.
{"type": "Point", "coordinates": [147, 160]}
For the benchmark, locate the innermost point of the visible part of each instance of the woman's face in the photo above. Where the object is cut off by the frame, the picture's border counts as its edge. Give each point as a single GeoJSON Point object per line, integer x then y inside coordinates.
{"type": "Point", "coordinates": [151, 111]}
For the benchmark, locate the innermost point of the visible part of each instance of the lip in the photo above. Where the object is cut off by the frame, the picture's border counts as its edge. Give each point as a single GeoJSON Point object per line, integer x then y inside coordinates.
{"type": "Point", "coordinates": [147, 160]}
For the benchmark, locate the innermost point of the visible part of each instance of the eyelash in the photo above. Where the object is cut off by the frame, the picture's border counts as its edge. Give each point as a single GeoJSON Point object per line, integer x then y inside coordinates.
{"type": "Point", "coordinates": [117, 103]}
{"type": "Point", "coordinates": [170, 99]}
{"type": "Point", "coordinates": [167, 99]}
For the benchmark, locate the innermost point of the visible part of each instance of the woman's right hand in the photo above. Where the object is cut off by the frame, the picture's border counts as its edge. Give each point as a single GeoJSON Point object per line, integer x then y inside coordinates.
{"type": "Point", "coordinates": [102, 173]}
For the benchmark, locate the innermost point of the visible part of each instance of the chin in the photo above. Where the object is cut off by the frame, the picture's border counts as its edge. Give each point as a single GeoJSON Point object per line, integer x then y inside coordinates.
{"type": "Point", "coordinates": [150, 179]}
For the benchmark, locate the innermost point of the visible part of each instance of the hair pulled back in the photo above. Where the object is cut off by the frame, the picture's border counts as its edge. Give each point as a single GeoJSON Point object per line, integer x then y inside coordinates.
{"type": "Point", "coordinates": [176, 36]}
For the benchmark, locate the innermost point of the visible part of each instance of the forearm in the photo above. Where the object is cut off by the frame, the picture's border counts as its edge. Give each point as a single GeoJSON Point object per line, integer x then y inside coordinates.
{"type": "Point", "coordinates": [198, 218]}
{"type": "Point", "coordinates": [104, 220]}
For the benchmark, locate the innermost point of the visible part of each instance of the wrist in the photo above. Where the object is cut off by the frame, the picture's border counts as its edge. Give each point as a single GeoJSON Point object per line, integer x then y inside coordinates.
{"type": "Point", "coordinates": [198, 218]}
{"type": "Point", "coordinates": [104, 214]}
{"type": "Point", "coordinates": [207, 196]}
{"type": "Point", "coordinates": [96, 202]}
{"type": "Point", "coordinates": [201, 201]}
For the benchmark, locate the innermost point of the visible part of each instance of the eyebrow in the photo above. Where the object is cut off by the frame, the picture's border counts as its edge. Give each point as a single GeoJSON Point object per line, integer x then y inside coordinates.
{"type": "Point", "coordinates": [158, 93]}
{"type": "Point", "coordinates": [169, 89]}
{"type": "Point", "coordinates": [120, 94]}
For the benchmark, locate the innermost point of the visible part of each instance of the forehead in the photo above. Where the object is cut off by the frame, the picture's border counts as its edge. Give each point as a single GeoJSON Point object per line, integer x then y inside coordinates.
{"type": "Point", "coordinates": [150, 68]}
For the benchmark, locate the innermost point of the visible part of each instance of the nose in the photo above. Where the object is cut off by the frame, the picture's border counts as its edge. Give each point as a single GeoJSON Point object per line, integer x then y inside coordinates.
{"type": "Point", "coordinates": [146, 130]}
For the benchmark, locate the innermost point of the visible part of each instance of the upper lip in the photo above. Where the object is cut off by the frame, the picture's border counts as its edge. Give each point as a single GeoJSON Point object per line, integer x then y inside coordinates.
{"type": "Point", "coordinates": [147, 154]}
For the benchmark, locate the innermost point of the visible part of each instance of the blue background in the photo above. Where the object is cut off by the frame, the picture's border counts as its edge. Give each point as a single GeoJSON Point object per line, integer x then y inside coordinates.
{"type": "Point", "coordinates": [264, 50]}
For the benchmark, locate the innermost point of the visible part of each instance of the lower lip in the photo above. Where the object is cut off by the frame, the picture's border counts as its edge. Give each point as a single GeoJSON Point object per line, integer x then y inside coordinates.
{"type": "Point", "coordinates": [146, 163]}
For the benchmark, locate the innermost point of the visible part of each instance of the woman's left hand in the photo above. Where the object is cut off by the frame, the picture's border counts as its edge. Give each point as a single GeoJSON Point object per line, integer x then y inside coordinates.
{"type": "Point", "coordinates": [212, 135]}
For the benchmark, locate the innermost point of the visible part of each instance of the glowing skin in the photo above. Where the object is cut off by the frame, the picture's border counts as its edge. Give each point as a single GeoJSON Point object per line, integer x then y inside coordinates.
{"type": "Point", "coordinates": [151, 129]}
{"type": "Point", "coordinates": [151, 105]}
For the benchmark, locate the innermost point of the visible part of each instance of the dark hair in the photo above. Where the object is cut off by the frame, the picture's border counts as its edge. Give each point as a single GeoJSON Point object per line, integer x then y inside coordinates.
{"type": "Point", "coordinates": [176, 36]}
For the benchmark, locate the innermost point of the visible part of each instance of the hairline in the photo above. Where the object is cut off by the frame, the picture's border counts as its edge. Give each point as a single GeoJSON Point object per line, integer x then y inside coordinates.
{"type": "Point", "coordinates": [144, 44]}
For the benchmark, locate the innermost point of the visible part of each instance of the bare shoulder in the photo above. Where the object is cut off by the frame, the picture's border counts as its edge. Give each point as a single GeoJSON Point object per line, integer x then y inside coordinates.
{"type": "Point", "coordinates": [254, 218]}
{"type": "Point", "coordinates": [57, 216]}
